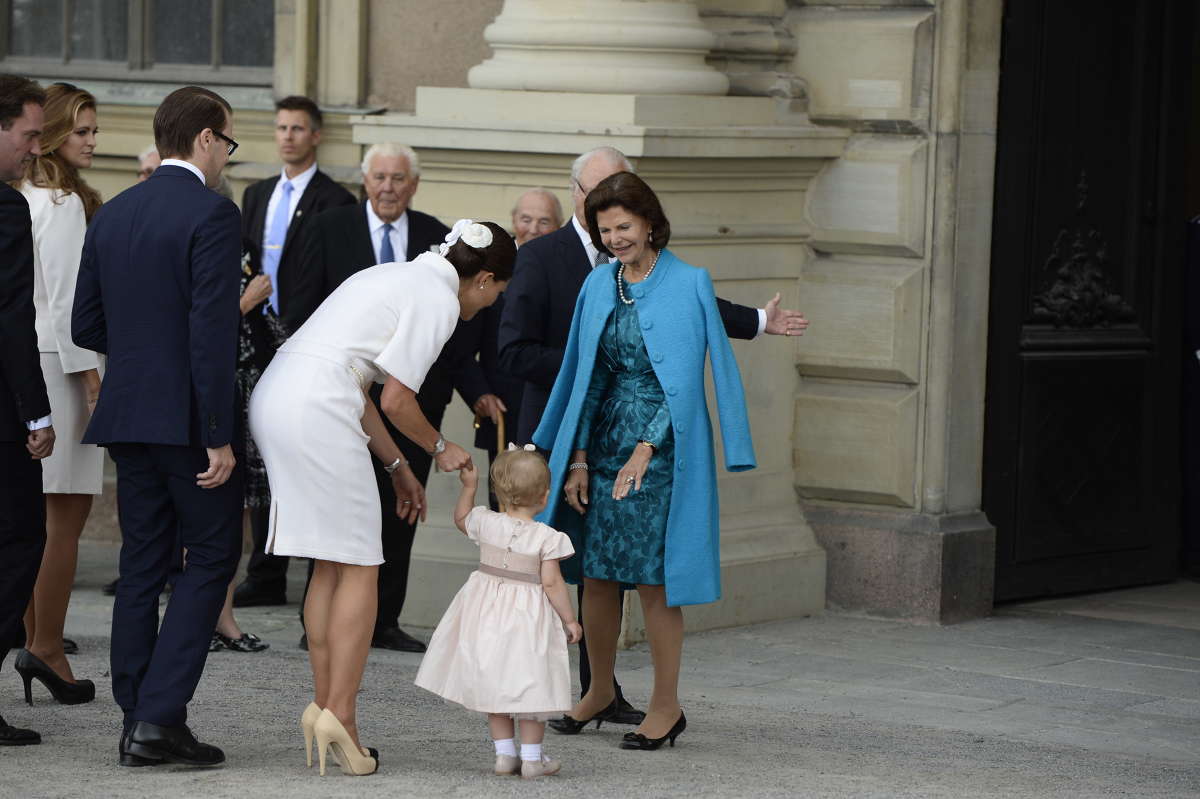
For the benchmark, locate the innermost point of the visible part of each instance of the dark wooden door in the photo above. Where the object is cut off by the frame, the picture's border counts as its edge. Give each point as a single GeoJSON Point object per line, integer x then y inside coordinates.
{"type": "Point", "coordinates": [1081, 451]}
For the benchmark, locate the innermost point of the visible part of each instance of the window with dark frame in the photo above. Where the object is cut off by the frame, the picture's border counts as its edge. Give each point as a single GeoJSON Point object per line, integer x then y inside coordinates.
{"type": "Point", "coordinates": [218, 41]}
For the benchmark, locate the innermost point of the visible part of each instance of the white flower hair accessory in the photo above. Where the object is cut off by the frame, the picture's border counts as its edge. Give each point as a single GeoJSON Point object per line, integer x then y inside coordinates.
{"type": "Point", "coordinates": [527, 447]}
{"type": "Point", "coordinates": [471, 232]}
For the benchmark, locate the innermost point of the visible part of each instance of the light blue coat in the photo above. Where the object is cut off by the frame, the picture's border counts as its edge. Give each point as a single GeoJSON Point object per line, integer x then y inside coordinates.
{"type": "Point", "coordinates": [678, 314]}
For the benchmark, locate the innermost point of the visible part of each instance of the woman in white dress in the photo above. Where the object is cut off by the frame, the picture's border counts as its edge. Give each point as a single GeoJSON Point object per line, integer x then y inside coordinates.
{"type": "Point", "coordinates": [317, 430]}
{"type": "Point", "coordinates": [60, 204]}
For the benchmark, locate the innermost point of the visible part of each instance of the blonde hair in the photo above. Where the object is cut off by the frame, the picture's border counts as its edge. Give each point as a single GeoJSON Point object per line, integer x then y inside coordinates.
{"type": "Point", "coordinates": [50, 170]}
{"type": "Point", "coordinates": [520, 478]}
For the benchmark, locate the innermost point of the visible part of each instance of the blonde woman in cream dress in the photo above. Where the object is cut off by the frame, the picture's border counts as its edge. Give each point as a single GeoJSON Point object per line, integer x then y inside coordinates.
{"type": "Point", "coordinates": [60, 205]}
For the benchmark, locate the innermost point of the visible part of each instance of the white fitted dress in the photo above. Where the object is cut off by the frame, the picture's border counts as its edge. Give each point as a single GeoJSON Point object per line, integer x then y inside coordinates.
{"type": "Point", "coordinates": [59, 225]}
{"type": "Point", "coordinates": [306, 411]}
{"type": "Point", "coordinates": [500, 647]}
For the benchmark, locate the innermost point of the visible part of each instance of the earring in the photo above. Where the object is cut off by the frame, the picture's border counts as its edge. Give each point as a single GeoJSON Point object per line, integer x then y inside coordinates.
{"type": "Point", "coordinates": [481, 287]}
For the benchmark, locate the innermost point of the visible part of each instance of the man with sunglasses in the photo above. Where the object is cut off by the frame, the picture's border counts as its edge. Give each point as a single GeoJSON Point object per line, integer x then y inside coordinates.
{"type": "Point", "coordinates": [158, 293]}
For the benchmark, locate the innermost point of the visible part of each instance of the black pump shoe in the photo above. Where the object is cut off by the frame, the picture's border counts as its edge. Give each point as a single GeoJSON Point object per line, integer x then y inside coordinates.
{"type": "Point", "coordinates": [635, 740]}
{"type": "Point", "coordinates": [64, 692]}
{"type": "Point", "coordinates": [569, 725]}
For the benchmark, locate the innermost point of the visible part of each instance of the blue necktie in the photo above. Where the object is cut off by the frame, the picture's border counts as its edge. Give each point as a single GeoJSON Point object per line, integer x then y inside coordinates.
{"type": "Point", "coordinates": [386, 253]}
{"type": "Point", "coordinates": [276, 236]}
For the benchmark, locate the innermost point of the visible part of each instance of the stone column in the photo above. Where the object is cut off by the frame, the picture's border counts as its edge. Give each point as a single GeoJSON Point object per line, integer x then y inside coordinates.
{"type": "Point", "coordinates": [608, 46]}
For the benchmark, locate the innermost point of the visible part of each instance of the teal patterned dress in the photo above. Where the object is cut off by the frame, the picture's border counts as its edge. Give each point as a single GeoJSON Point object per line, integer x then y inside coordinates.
{"type": "Point", "coordinates": [625, 541]}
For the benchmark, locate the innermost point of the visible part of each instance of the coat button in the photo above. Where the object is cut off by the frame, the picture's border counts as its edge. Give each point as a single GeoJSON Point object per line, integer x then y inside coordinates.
{"type": "Point", "coordinates": [672, 390]}
{"type": "Point", "coordinates": [679, 465]}
{"type": "Point", "coordinates": [656, 357]}
{"type": "Point", "coordinates": [679, 429]}
{"type": "Point", "coordinates": [637, 292]}
{"type": "Point", "coordinates": [647, 324]}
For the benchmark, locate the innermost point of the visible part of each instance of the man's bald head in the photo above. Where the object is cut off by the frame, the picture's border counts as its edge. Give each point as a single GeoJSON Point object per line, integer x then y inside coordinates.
{"type": "Point", "coordinates": [535, 213]}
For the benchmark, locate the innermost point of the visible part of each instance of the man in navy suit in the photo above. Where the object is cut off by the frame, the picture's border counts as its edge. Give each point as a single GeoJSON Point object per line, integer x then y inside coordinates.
{"type": "Point", "coordinates": [158, 293]}
{"type": "Point", "coordinates": [275, 214]}
{"type": "Point", "coordinates": [538, 305]}
{"type": "Point", "coordinates": [26, 435]}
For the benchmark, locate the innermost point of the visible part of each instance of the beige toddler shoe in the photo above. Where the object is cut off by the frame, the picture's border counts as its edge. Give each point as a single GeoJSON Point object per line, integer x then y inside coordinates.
{"type": "Point", "coordinates": [539, 768]}
{"type": "Point", "coordinates": [507, 765]}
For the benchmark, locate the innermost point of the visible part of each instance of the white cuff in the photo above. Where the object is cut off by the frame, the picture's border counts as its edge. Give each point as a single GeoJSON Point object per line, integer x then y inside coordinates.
{"type": "Point", "coordinates": [38, 424]}
{"type": "Point", "coordinates": [762, 322]}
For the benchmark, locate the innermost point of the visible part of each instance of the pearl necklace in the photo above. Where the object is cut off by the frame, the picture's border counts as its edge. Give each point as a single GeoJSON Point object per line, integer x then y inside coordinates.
{"type": "Point", "coordinates": [621, 278]}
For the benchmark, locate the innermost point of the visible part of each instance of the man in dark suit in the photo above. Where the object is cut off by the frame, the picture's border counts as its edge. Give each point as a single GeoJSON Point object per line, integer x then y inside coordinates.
{"type": "Point", "coordinates": [539, 304]}
{"type": "Point", "coordinates": [275, 214]}
{"type": "Point", "coordinates": [158, 293]}
{"type": "Point", "coordinates": [535, 213]}
{"type": "Point", "coordinates": [346, 240]}
{"type": "Point", "coordinates": [26, 434]}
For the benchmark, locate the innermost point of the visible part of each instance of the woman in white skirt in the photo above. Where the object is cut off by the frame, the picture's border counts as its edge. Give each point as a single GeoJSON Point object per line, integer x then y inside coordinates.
{"type": "Point", "coordinates": [60, 205]}
{"type": "Point", "coordinates": [317, 430]}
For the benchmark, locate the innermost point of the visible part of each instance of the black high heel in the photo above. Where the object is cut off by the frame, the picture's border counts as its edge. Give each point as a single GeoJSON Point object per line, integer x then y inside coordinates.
{"type": "Point", "coordinates": [635, 740]}
{"type": "Point", "coordinates": [568, 725]}
{"type": "Point", "coordinates": [64, 692]}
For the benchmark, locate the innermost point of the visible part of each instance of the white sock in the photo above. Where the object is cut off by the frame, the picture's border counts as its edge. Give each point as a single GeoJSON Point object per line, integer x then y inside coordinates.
{"type": "Point", "coordinates": [531, 752]}
{"type": "Point", "coordinates": [505, 746]}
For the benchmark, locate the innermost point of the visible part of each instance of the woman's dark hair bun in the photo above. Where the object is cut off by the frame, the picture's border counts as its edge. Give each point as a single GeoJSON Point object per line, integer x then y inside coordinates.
{"type": "Point", "coordinates": [497, 258]}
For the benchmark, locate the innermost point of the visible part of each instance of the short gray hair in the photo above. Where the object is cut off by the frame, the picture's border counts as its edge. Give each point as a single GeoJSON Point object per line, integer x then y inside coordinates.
{"type": "Point", "coordinates": [392, 149]}
{"type": "Point", "coordinates": [149, 151]}
{"type": "Point", "coordinates": [612, 153]}
{"type": "Point", "coordinates": [558, 211]}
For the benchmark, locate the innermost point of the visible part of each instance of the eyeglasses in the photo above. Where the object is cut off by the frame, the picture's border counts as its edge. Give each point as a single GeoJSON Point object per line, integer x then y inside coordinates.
{"type": "Point", "coordinates": [230, 144]}
{"type": "Point", "coordinates": [582, 190]}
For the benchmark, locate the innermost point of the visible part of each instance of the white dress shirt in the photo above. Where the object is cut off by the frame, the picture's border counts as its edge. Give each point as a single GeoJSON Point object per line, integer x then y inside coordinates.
{"type": "Point", "coordinates": [190, 167]}
{"type": "Point", "coordinates": [594, 256]}
{"type": "Point", "coordinates": [299, 184]}
{"type": "Point", "coordinates": [399, 234]}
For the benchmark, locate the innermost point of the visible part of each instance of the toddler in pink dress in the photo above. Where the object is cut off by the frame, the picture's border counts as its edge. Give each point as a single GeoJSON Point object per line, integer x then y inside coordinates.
{"type": "Point", "coordinates": [500, 648]}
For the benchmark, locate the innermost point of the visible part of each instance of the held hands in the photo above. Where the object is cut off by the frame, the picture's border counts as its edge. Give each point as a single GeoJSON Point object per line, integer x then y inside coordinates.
{"type": "Point", "coordinates": [782, 322]}
{"type": "Point", "coordinates": [491, 406]}
{"type": "Point", "coordinates": [630, 476]}
{"type": "Point", "coordinates": [469, 477]}
{"type": "Point", "coordinates": [410, 495]}
{"type": "Point", "coordinates": [574, 632]}
{"type": "Point", "coordinates": [220, 466]}
{"type": "Point", "coordinates": [40, 443]}
{"type": "Point", "coordinates": [453, 458]}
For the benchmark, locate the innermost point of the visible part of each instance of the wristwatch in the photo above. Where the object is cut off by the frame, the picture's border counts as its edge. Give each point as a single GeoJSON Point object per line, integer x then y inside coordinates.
{"type": "Point", "coordinates": [439, 447]}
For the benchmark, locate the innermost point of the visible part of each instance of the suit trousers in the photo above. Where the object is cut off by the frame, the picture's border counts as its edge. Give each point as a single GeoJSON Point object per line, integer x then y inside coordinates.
{"type": "Point", "coordinates": [22, 537]}
{"type": "Point", "coordinates": [397, 534]}
{"type": "Point", "coordinates": [155, 669]}
{"type": "Point", "coordinates": [265, 570]}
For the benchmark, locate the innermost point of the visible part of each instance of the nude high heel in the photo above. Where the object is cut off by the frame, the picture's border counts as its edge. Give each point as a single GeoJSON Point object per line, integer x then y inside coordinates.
{"type": "Point", "coordinates": [308, 720]}
{"type": "Point", "coordinates": [330, 733]}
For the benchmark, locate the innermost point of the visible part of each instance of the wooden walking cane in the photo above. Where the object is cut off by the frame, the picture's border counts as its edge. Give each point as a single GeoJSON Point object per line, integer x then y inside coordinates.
{"type": "Point", "coordinates": [500, 436]}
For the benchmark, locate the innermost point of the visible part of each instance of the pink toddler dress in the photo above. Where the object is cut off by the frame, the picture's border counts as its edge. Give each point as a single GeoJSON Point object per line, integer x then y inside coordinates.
{"type": "Point", "coordinates": [500, 647]}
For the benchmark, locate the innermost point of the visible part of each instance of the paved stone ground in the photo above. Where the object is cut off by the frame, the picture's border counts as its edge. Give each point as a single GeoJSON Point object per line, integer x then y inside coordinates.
{"type": "Point", "coordinates": [1096, 696]}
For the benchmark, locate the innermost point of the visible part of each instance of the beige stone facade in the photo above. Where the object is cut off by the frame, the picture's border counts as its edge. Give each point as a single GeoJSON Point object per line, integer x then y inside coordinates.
{"type": "Point", "coordinates": [839, 152]}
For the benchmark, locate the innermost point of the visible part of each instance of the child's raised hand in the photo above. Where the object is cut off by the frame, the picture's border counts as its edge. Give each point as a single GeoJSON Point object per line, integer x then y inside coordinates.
{"type": "Point", "coordinates": [574, 632]}
{"type": "Point", "coordinates": [469, 475]}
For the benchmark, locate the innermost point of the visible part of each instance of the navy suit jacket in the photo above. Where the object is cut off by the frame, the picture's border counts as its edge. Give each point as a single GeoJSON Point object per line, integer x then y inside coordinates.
{"type": "Point", "coordinates": [158, 293]}
{"type": "Point", "coordinates": [538, 305]}
{"type": "Point", "coordinates": [22, 390]}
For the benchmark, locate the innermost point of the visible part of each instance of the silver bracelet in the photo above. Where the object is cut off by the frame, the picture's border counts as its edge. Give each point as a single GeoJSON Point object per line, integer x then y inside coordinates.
{"type": "Point", "coordinates": [394, 465]}
{"type": "Point", "coordinates": [580, 465]}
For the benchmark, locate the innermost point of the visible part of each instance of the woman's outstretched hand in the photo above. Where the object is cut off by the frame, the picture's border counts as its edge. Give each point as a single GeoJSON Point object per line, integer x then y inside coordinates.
{"type": "Point", "coordinates": [453, 458]}
{"type": "Point", "coordinates": [410, 495]}
{"type": "Point", "coordinates": [630, 476]}
{"type": "Point", "coordinates": [576, 489]}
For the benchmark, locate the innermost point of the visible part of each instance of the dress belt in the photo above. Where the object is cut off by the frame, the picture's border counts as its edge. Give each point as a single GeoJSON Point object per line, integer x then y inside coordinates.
{"type": "Point", "coordinates": [360, 369]}
{"type": "Point", "coordinates": [636, 389]}
{"type": "Point", "coordinates": [508, 574]}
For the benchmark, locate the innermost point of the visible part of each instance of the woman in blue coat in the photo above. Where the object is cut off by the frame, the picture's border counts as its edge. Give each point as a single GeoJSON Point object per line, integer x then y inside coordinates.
{"type": "Point", "coordinates": [634, 474]}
